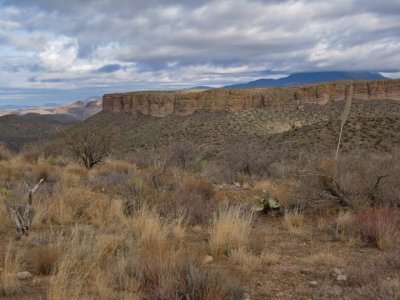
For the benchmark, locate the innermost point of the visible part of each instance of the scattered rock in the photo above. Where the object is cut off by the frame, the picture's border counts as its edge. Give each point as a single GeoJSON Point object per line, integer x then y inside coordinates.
{"type": "Point", "coordinates": [335, 272]}
{"type": "Point", "coordinates": [341, 278]}
{"type": "Point", "coordinates": [208, 259]}
{"type": "Point", "coordinates": [306, 271]}
{"type": "Point", "coordinates": [237, 184]}
{"type": "Point", "coordinates": [313, 283]}
{"type": "Point", "coordinates": [197, 229]}
{"type": "Point", "coordinates": [246, 186]}
{"type": "Point", "coordinates": [24, 275]}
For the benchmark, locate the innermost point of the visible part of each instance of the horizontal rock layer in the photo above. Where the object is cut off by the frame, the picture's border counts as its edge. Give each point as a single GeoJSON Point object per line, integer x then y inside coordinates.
{"type": "Point", "coordinates": [159, 104]}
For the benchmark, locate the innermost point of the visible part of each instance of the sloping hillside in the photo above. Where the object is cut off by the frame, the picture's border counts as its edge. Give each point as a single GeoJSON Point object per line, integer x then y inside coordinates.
{"type": "Point", "coordinates": [16, 131]}
{"type": "Point", "coordinates": [282, 130]}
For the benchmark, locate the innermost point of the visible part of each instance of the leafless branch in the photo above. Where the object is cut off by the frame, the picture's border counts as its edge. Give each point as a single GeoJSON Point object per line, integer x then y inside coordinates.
{"type": "Point", "coordinates": [23, 214]}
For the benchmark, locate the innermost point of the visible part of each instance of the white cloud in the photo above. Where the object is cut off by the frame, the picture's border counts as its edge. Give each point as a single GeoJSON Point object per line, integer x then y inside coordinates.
{"type": "Point", "coordinates": [154, 43]}
{"type": "Point", "coordinates": [59, 54]}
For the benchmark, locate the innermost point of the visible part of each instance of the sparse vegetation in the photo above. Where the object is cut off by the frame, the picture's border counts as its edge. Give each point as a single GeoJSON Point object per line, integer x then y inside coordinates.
{"type": "Point", "coordinates": [167, 222]}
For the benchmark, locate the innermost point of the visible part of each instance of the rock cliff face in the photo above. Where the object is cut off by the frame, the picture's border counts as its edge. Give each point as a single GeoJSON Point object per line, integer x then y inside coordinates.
{"type": "Point", "coordinates": [160, 104]}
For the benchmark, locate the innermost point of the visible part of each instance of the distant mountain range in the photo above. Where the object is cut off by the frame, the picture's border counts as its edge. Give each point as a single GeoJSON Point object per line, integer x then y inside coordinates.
{"type": "Point", "coordinates": [201, 87]}
{"type": "Point", "coordinates": [310, 78]}
{"type": "Point", "coordinates": [69, 113]}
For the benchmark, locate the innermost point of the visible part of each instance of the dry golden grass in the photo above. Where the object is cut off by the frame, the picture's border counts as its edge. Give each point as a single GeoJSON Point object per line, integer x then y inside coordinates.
{"type": "Point", "coordinates": [5, 219]}
{"type": "Point", "coordinates": [324, 258]}
{"type": "Point", "coordinates": [42, 260]}
{"type": "Point", "coordinates": [178, 229]}
{"type": "Point", "coordinates": [293, 221]}
{"type": "Point", "coordinates": [86, 247]}
{"type": "Point", "coordinates": [118, 166]}
{"type": "Point", "coordinates": [9, 284]}
{"type": "Point", "coordinates": [270, 259]}
{"type": "Point", "coordinates": [245, 260]}
{"type": "Point", "coordinates": [5, 154]}
{"type": "Point", "coordinates": [230, 230]}
{"type": "Point", "coordinates": [147, 226]}
{"type": "Point", "coordinates": [92, 264]}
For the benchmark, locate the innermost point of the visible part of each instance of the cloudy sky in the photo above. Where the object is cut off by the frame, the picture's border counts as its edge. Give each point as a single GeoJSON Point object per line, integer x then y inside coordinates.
{"type": "Point", "coordinates": [60, 51]}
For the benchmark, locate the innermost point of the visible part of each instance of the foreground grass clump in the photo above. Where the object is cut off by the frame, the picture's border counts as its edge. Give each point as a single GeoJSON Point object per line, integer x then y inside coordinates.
{"type": "Point", "coordinates": [9, 284]}
{"type": "Point", "coordinates": [167, 272]}
{"type": "Point", "coordinates": [230, 229]}
{"type": "Point", "coordinates": [379, 227]}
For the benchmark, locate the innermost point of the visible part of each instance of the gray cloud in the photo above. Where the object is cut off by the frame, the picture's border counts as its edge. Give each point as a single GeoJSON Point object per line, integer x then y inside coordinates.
{"type": "Point", "coordinates": [110, 68]}
{"type": "Point", "coordinates": [171, 43]}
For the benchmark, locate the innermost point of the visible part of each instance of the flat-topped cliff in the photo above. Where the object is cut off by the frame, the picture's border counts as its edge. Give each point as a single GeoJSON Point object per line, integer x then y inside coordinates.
{"type": "Point", "coordinates": [160, 103]}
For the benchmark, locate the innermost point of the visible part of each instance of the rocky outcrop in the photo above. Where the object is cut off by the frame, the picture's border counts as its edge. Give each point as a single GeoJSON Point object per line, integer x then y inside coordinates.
{"type": "Point", "coordinates": [159, 104]}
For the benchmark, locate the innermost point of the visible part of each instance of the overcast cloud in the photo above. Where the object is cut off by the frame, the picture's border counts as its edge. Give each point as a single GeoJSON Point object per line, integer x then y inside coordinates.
{"type": "Point", "coordinates": [65, 50]}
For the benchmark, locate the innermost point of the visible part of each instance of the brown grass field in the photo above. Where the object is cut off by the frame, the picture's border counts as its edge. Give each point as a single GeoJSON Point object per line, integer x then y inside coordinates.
{"type": "Point", "coordinates": [108, 233]}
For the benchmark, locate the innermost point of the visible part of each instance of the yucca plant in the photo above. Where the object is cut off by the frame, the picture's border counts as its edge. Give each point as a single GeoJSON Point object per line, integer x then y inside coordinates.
{"type": "Point", "coordinates": [345, 115]}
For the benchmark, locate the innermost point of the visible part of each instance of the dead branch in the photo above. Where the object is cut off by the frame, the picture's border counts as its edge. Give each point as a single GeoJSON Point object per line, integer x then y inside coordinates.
{"type": "Point", "coordinates": [160, 167]}
{"type": "Point", "coordinates": [23, 214]}
{"type": "Point", "coordinates": [333, 188]}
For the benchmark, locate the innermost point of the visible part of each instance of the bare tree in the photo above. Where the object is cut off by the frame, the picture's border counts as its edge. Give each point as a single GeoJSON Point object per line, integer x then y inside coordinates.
{"type": "Point", "coordinates": [183, 153]}
{"type": "Point", "coordinates": [90, 144]}
{"type": "Point", "coordinates": [160, 167]}
{"type": "Point", "coordinates": [23, 214]}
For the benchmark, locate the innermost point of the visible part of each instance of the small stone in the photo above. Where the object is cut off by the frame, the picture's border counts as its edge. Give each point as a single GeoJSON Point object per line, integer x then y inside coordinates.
{"type": "Point", "coordinates": [246, 186]}
{"type": "Point", "coordinates": [341, 278]}
{"type": "Point", "coordinates": [208, 259]}
{"type": "Point", "coordinates": [246, 296]}
{"type": "Point", "coordinates": [336, 271]}
{"type": "Point", "coordinates": [306, 271]}
{"type": "Point", "coordinates": [197, 229]}
{"type": "Point", "coordinates": [24, 275]}
{"type": "Point", "coordinates": [313, 283]}
{"type": "Point", "coordinates": [237, 184]}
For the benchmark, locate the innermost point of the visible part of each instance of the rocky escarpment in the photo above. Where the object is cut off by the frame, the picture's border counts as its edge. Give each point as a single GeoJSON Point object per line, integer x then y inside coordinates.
{"type": "Point", "coordinates": [159, 104]}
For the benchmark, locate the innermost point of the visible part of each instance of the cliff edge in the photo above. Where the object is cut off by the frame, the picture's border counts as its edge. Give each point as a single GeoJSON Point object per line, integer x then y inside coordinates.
{"type": "Point", "coordinates": [160, 103]}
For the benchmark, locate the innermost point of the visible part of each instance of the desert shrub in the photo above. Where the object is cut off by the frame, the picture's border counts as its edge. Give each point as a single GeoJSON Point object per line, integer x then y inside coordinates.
{"type": "Point", "coordinates": [41, 171]}
{"type": "Point", "coordinates": [374, 226]}
{"type": "Point", "coordinates": [42, 259]}
{"type": "Point", "coordinates": [218, 172]}
{"type": "Point", "coordinates": [356, 180]}
{"type": "Point", "coordinates": [5, 153]}
{"type": "Point", "coordinates": [373, 282]}
{"type": "Point", "coordinates": [182, 154]}
{"type": "Point", "coordinates": [230, 229]}
{"type": "Point", "coordinates": [32, 152]}
{"type": "Point", "coordinates": [193, 199]}
{"type": "Point", "coordinates": [247, 159]}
